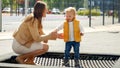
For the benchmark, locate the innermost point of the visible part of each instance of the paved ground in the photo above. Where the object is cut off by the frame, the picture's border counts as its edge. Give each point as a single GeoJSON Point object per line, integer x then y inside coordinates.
{"type": "Point", "coordinates": [97, 40]}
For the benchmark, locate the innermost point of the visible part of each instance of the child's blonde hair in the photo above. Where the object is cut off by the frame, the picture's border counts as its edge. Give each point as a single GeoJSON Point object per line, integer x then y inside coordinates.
{"type": "Point", "coordinates": [71, 9]}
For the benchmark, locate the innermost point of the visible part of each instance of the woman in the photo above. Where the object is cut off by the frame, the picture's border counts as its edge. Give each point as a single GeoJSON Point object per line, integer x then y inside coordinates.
{"type": "Point", "coordinates": [29, 36]}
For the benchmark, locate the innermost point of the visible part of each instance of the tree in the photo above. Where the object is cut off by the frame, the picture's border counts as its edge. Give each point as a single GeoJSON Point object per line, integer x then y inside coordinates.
{"type": "Point", "coordinates": [5, 3]}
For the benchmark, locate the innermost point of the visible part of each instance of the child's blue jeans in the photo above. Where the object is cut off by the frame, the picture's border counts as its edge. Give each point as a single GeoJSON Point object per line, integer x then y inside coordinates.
{"type": "Point", "coordinates": [68, 46]}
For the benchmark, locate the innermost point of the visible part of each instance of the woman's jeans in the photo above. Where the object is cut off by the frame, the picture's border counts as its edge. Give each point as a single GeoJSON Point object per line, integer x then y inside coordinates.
{"type": "Point", "coordinates": [68, 47]}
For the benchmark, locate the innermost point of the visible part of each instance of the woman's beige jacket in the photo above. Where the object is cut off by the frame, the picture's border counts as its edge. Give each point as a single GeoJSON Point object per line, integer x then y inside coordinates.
{"type": "Point", "coordinates": [28, 32]}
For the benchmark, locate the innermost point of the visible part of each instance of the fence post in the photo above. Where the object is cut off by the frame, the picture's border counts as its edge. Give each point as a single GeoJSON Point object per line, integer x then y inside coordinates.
{"type": "Point", "coordinates": [0, 15]}
{"type": "Point", "coordinates": [119, 11]}
{"type": "Point", "coordinates": [26, 7]}
{"type": "Point", "coordinates": [113, 12]}
{"type": "Point", "coordinates": [103, 12]}
{"type": "Point", "coordinates": [89, 16]}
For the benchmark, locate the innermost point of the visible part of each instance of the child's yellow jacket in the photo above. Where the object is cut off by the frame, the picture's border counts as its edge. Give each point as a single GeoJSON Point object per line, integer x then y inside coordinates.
{"type": "Point", "coordinates": [77, 36]}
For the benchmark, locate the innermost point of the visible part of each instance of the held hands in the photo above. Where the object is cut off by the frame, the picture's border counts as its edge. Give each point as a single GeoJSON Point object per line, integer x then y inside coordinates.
{"type": "Point", "coordinates": [53, 35]}
{"type": "Point", "coordinates": [60, 35]}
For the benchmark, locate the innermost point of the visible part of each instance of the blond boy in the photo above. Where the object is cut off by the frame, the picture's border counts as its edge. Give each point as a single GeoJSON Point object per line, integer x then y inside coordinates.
{"type": "Point", "coordinates": [72, 31]}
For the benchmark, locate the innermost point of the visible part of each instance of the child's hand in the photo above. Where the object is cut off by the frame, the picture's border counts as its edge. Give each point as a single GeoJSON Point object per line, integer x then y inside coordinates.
{"type": "Point", "coordinates": [81, 34]}
{"type": "Point", "coordinates": [60, 35]}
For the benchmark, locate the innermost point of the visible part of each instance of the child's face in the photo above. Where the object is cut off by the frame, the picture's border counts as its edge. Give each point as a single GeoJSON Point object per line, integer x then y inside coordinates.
{"type": "Point", "coordinates": [69, 16]}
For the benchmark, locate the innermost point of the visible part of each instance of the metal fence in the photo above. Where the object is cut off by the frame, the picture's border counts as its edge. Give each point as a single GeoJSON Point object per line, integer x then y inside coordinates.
{"type": "Point", "coordinates": [108, 8]}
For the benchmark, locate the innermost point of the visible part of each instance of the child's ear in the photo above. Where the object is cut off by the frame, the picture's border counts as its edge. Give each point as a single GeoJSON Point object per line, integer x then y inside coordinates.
{"type": "Point", "coordinates": [74, 18]}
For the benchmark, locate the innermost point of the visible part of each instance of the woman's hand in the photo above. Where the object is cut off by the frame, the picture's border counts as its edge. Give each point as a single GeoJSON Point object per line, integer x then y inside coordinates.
{"type": "Point", "coordinates": [45, 41]}
{"type": "Point", "coordinates": [53, 35]}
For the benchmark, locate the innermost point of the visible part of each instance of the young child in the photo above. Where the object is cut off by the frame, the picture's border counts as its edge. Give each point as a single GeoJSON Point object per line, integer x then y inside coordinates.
{"type": "Point", "coordinates": [72, 32]}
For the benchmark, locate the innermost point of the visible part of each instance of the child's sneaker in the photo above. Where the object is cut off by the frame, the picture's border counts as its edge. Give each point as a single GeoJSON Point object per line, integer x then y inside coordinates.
{"type": "Point", "coordinates": [66, 63]}
{"type": "Point", "coordinates": [77, 65]}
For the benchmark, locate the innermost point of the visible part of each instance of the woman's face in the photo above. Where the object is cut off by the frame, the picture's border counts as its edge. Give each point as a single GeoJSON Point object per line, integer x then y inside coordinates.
{"type": "Point", "coordinates": [44, 13]}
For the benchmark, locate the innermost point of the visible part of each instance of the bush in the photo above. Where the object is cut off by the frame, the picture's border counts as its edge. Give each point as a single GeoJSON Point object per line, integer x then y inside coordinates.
{"type": "Point", "coordinates": [86, 12]}
{"type": "Point", "coordinates": [83, 12]}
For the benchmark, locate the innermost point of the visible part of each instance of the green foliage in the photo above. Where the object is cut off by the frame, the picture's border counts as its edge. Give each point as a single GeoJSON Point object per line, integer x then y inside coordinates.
{"type": "Point", "coordinates": [62, 4]}
{"type": "Point", "coordinates": [95, 12]}
{"type": "Point", "coordinates": [5, 3]}
{"type": "Point", "coordinates": [83, 12]}
{"type": "Point", "coordinates": [87, 12]}
{"type": "Point", "coordinates": [8, 3]}
{"type": "Point", "coordinates": [116, 14]}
